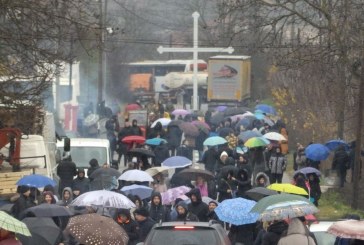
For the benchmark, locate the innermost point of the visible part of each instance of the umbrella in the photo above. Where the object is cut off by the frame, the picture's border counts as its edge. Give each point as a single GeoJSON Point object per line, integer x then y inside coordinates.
{"type": "Point", "coordinates": [226, 169]}
{"type": "Point", "coordinates": [155, 141]}
{"type": "Point", "coordinates": [171, 195]}
{"type": "Point", "coordinates": [133, 138]}
{"type": "Point", "coordinates": [207, 200]}
{"type": "Point", "coordinates": [236, 211]}
{"type": "Point", "coordinates": [100, 172]}
{"type": "Point", "coordinates": [163, 121]}
{"type": "Point", "coordinates": [141, 152]}
{"type": "Point", "coordinates": [246, 135]}
{"type": "Point", "coordinates": [214, 140]}
{"type": "Point", "coordinates": [265, 202]}
{"type": "Point", "coordinates": [97, 229]}
{"type": "Point", "coordinates": [9, 223]}
{"type": "Point", "coordinates": [156, 170]}
{"type": "Point", "coordinates": [258, 193]}
{"type": "Point", "coordinates": [287, 210]}
{"type": "Point", "coordinates": [91, 120]}
{"type": "Point", "coordinates": [35, 180]}
{"type": "Point", "coordinates": [334, 144]}
{"type": "Point", "coordinates": [221, 108]}
{"type": "Point", "coordinates": [288, 188]}
{"type": "Point", "coordinates": [132, 107]}
{"type": "Point", "coordinates": [353, 229]}
{"type": "Point", "coordinates": [307, 171]}
{"type": "Point", "coordinates": [7, 207]}
{"type": "Point", "coordinates": [241, 150]}
{"type": "Point", "coordinates": [49, 210]}
{"type": "Point", "coordinates": [274, 136]}
{"type": "Point", "coordinates": [192, 173]}
{"type": "Point", "coordinates": [217, 118]}
{"type": "Point", "coordinates": [317, 152]}
{"type": "Point", "coordinates": [139, 190]}
{"type": "Point", "coordinates": [175, 123]}
{"type": "Point", "coordinates": [103, 198]}
{"type": "Point", "coordinates": [204, 127]}
{"type": "Point", "coordinates": [259, 115]}
{"type": "Point", "coordinates": [255, 142]}
{"type": "Point", "coordinates": [180, 112]}
{"type": "Point", "coordinates": [176, 162]}
{"type": "Point", "coordinates": [266, 109]}
{"type": "Point", "coordinates": [238, 117]}
{"type": "Point", "coordinates": [268, 121]}
{"type": "Point", "coordinates": [136, 175]}
{"type": "Point", "coordinates": [189, 129]}
{"type": "Point", "coordinates": [43, 230]}
{"type": "Point", "coordinates": [235, 111]}
{"type": "Point", "coordinates": [246, 122]}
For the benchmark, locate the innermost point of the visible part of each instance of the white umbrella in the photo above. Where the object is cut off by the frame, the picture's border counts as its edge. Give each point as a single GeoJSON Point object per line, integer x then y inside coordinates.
{"type": "Point", "coordinates": [136, 175]}
{"type": "Point", "coordinates": [163, 121]}
{"type": "Point", "coordinates": [274, 136]}
{"type": "Point", "coordinates": [103, 198]}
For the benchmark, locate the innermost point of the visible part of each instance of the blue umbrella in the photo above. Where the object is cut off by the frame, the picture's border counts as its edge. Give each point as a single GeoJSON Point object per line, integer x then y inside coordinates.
{"type": "Point", "coordinates": [245, 135]}
{"type": "Point", "coordinates": [155, 141]}
{"type": "Point", "coordinates": [317, 152]}
{"type": "Point", "coordinates": [139, 190]}
{"type": "Point", "coordinates": [308, 170]}
{"type": "Point", "coordinates": [266, 109]}
{"type": "Point", "coordinates": [176, 162]}
{"type": "Point", "coordinates": [35, 180]}
{"type": "Point", "coordinates": [237, 211]}
{"type": "Point", "coordinates": [334, 144]}
{"type": "Point", "coordinates": [214, 140]}
{"type": "Point", "coordinates": [246, 122]}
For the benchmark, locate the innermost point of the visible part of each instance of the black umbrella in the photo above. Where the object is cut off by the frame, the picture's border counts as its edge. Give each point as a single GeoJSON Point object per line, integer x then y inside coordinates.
{"type": "Point", "coordinates": [258, 193]}
{"type": "Point", "coordinates": [44, 231]}
{"type": "Point", "coordinates": [105, 172]}
{"type": "Point", "coordinates": [192, 173]}
{"type": "Point", "coordinates": [235, 111]}
{"type": "Point", "coordinates": [217, 118]}
{"type": "Point", "coordinates": [225, 170]}
{"type": "Point", "coordinates": [49, 210]}
{"type": "Point", "coordinates": [141, 152]}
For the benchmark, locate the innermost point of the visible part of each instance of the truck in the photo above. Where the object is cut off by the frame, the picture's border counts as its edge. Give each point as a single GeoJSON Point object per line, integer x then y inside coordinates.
{"type": "Point", "coordinates": [229, 80]}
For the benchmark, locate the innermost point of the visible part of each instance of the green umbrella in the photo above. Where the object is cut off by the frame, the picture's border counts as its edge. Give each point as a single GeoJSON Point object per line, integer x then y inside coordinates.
{"type": "Point", "coordinates": [214, 140]}
{"type": "Point", "coordinates": [265, 202]}
{"type": "Point", "coordinates": [256, 142]}
{"type": "Point", "coordinates": [9, 223]}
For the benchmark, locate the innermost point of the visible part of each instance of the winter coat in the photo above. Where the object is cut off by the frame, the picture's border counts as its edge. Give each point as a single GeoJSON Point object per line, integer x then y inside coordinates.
{"type": "Point", "coordinates": [130, 226]}
{"type": "Point", "coordinates": [161, 153]}
{"type": "Point", "coordinates": [266, 178]}
{"type": "Point", "coordinates": [144, 228]}
{"type": "Point", "coordinates": [244, 183]}
{"type": "Point", "coordinates": [228, 162]}
{"type": "Point", "coordinates": [187, 216]}
{"type": "Point", "coordinates": [274, 233]}
{"type": "Point", "coordinates": [64, 202]}
{"type": "Point", "coordinates": [242, 234]}
{"type": "Point", "coordinates": [91, 169]}
{"type": "Point", "coordinates": [66, 170]}
{"type": "Point", "coordinates": [209, 159]}
{"type": "Point", "coordinates": [315, 189]}
{"type": "Point", "coordinates": [21, 204]}
{"type": "Point", "coordinates": [341, 161]}
{"type": "Point", "coordinates": [158, 212]}
{"type": "Point", "coordinates": [124, 132]}
{"type": "Point", "coordinates": [174, 136]}
{"type": "Point", "coordinates": [184, 151]}
{"type": "Point", "coordinates": [223, 186]}
{"type": "Point", "coordinates": [297, 234]}
{"type": "Point", "coordinates": [81, 184]}
{"type": "Point", "coordinates": [199, 141]}
{"type": "Point", "coordinates": [277, 164]}
{"type": "Point", "coordinates": [135, 130]}
{"type": "Point", "coordinates": [198, 208]}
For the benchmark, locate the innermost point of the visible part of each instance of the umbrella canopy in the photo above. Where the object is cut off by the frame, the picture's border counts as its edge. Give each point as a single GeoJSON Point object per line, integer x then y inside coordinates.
{"type": "Point", "coordinates": [9, 223]}
{"type": "Point", "coordinates": [103, 198]}
{"type": "Point", "coordinates": [217, 118]}
{"type": "Point", "coordinates": [204, 127]}
{"type": "Point", "coordinates": [288, 188]}
{"type": "Point", "coordinates": [221, 108]}
{"type": "Point", "coordinates": [317, 152]}
{"type": "Point", "coordinates": [35, 180]}
{"type": "Point", "coordinates": [353, 229]}
{"type": "Point", "coordinates": [132, 107]}
{"type": "Point", "coordinates": [133, 138]}
{"type": "Point", "coordinates": [236, 211]}
{"type": "Point", "coordinates": [287, 210]}
{"type": "Point", "coordinates": [49, 210]}
{"type": "Point", "coordinates": [235, 111]}
{"type": "Point", "coordinates": [176, 162]}
{"type": "Point", "coordinates": [91, 120]}
{"type": "Point", "coordinates": [192, 173]}
{"type": "Point", "coordinates": [180, 112]}
{"type": "Point", "coordinates": [332, 145]}
{"type": "Point", "coordinates": [139, 190]}
{"type": "Point", "coordinates": [265, 202]}
{"type": "Point", "coordinates": [141, 152]}
{"type": "Point", "coordinates": [155, 141]}
{"type": "Point", "coordinates": [169, 196]}
{"type": "Point", "coordinates": [255, 142]}
{"type": "Point", "coordinates": [266, 109]}
{"type": "Point", "coordinates": [163, 121]}
{"type": "Point", "coordinates": [307, 171]}
{"type": "Point", "coordinates": [156, 170]}
{"type": "Point", "coordinates": [100, 172]}
{"type": "Point", "coordinates": [274, 136]}
{"type": "Point", "coordinates": [43, 230]}
{"type": "Point", "coordinates": [189, 129]}
{"type": "Point", "coordinates": [246, 135]}
{"type": "Point", "coordinates": [246, 122]}
{"type": "Point", "coordinates": [97, 229]}
{"type": "Point", "coordinates": [258, 193]}
{"type": "Point", "coordinates": [136, 175]}
{"type": "Point", "coordinates": [214, 140]}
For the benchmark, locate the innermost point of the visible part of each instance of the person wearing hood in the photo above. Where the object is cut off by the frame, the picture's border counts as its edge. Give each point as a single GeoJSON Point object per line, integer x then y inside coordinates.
{"type": "Point", "coordinates": [277, 165]}
{"type": "Point", "coordinates": [157, 211]}
{"type": "Point", "coordinates": [94, 164]}
{"type": "Point", "coordinates": [183, 214]}
{"type": "Point", "coordinates": [123, 218]}
{"type": "Point", "coordinates": [23, 202]}
{"type": "Point", "coordinates": [297, 233]}
{"type": "Point", "coordinates": [145, 223]}
{"type": "Point", "coordinates": [274, 232]}
{"type": "Point", "coordinates": [197, 206]}
{"type": "Point", "coordinates": [81, 183]}
{"type": "Point", "coordinates": [261, 180]}
{"type": "Point", "coordinates": [135, 128]}
{"type": "Point", "coordinates": [244, 182]}
{"type": "Point", "coordinates": [67, 197]}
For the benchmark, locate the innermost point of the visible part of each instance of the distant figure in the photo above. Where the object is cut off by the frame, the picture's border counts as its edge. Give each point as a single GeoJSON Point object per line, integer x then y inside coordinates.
{"type": "Point", "coordinates": [341, 163]}
{"type": "Point", "coordinates": [66, 170]}
{"type": "Point", "coordinates": [81, 183]}
{"type": "Point", "coordinates": [277, 165]}
{"type": "Point", "coordinates": [23, 202]}
{"type": "Point", "coordinates": [67, 197]}
{"type": "Point", "coordinates": [144, 221]}
{"type": "Point", "coordinates": [94, 164]}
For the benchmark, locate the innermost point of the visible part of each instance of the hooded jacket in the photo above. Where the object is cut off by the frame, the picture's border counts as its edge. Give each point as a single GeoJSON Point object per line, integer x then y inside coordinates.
{"type": "Point", "coordinates": [130, 226]}
{"type": "Point", "coordinates": [266, 178]}
{"type": "Point", "coordinates": [187, 216]}
{"type": "Point", "coordinates": [158, 212]}
{"type": "Point", "coordinates": [297, 234]}
{"type": "Point", "coordinates": [244, 183]}
{"type": "Point", "coordinates": [65, 202]}
{"type": "Point", "coordinates": [198, 208]}
{"type": "Point", "coordinates": [81, 184]}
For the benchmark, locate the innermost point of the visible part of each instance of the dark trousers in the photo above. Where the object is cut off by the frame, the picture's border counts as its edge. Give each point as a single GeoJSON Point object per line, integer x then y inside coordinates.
{"type": "Point", "coordinates": [342, 177]}
{"type": "Point", "coordinates": [276, 178]}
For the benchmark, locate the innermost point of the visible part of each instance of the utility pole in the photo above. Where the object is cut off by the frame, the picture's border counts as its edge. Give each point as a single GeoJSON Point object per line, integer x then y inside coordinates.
{"type": "Point", "coordinates": [100, 84]}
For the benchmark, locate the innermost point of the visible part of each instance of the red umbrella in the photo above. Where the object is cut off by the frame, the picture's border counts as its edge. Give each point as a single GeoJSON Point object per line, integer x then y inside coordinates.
{"type": "Point", "coordinates": [131, 107]}
{"type": "Point", "coordinates": [133, 138]}
{"type": "Point", "coordinates": [189, 129]}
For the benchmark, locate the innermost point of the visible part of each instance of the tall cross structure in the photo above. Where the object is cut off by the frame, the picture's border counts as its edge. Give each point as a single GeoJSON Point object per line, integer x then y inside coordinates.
{"type": "Point", "coordinates": [195, 50]}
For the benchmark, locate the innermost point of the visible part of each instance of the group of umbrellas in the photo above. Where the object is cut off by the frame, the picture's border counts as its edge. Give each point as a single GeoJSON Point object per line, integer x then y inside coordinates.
{"type": "Point", "coordinates": [320, 152]}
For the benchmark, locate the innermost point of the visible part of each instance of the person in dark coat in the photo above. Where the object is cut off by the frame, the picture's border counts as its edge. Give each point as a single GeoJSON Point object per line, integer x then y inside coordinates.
{"type": "Point", "coordinates": [201, 137]}
{"type": "Point", "coordinates": [244, 182]}
{"type": "Point", "coordinates": [274, 233]}
{"type": "Point", "coordinates": [209, 158]}
{"type": "Point", "coordinates": [66, 170]}
{"type": "Point", "coordinates": [123, 218]}
{"type": "Point", "coordinates": [242, 234]}
{"type": "Point", "coordinates": [315, 189]}
{"type": "Point", "coordinates": [341, 163]}
{"type": "Point", "coordinates": [23, 202]}
{"type": "Point", "coordinates": [157, 211]}
{"type": "Point", "coordinates": [227, 186]}
{"type": "Point", "coordinates": [94, 164]}
{"type": "Point", "coordinates": [223, 161]}
{"type": "Point", "coordinates": [277, 165]}
{"type": "Point", "coordinates": [122, 147]}
{"type": "Point", "coordinates": [211, 215]}
{"type": "Point", "coordinates": [81, 183]}
{"type": "Point", "coordinates": [156, 132]}
{"type": "Point", "coordinates": [183, 214]}
{"type": "Point", "coordinates": [184, 151]}
{"type": "Point", "coordinates": [135, 129]}
{"type": "Point", "coordinates": [145, 223]}
{"type": "Point", "coordinates": [257, 161]}
{"type": "Point", "coordinates": [197, 206]}
{"type": "Point", "coordinates": [161, 153]}
{"type": "Point", "coordinates": [173, 137]}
